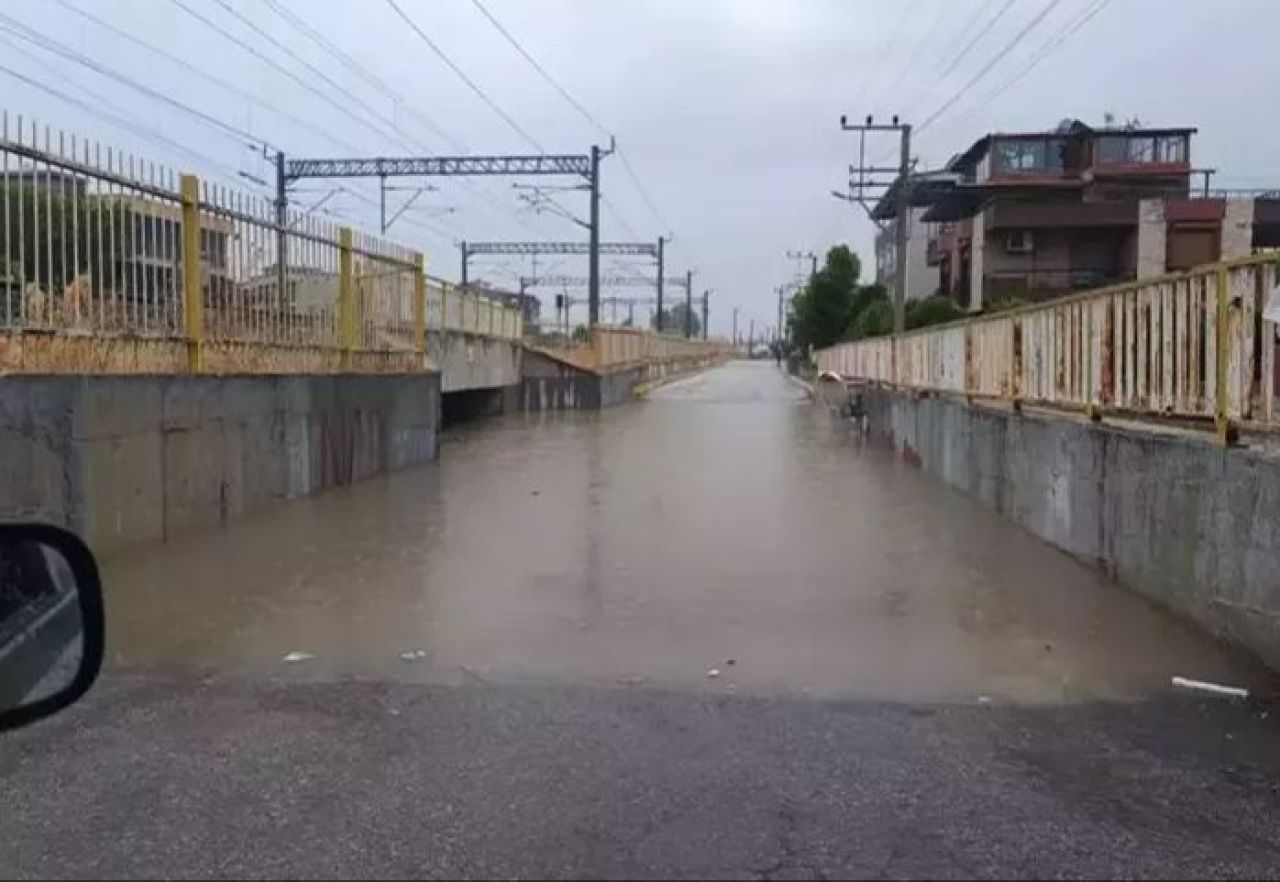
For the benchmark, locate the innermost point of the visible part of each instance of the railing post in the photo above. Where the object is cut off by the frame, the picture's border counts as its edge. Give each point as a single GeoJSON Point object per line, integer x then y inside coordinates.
{"type": "Point", "coordinates": [1086, 346]}
{"type": "Point", "coordinates": [419, 306]}
{"type": "Point", "coordinates": [192, 274]}
{"type": "Point", "coordinates": [346, 297]}
{"type": "Point", "coordinates": [1221, 421]}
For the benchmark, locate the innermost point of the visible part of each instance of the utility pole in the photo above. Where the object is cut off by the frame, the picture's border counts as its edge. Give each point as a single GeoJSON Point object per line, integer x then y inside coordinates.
{"type": "Point", "coordinates": [463, 275]}
{"type": "Point", "coordinates": [751, 338]}
{"type": "Point", "coordinates": [661, 269]}
{"type": "Point", "coordinates": [902, 233]}
{"type": "Point", "coordinates": [688, 304]}
{"type": "Point", "coordinates": [593, 265]}
{"type": "Point", "coordinates": [735, 326]}
{"type": "Point", "coordinates": [780, 289]}
{"type": "Point", "coordinates": [902, 208]}
{"type": "Point", "coordinates": [706, 311]}
{"type": "Point", "coordinates": [282, 224]}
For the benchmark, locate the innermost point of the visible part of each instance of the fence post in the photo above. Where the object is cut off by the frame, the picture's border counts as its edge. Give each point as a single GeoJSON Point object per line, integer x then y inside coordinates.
{"type": "Point", "coordinates": [192, 274]}
{"type": "Point", "coordinates": [1091, 411]}
{"type": "Point", "coordinates": [419, 305]}
{"type": "Point", "coordinates": [1222, 423]}
{"type": "Point", "coordinates": [346, 297]}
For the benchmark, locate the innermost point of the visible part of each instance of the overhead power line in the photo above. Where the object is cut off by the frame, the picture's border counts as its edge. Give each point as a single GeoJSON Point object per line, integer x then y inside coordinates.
{"type": "Point", "coordinates": [539, 68]}
{"type": "Point", "coordinates": [581, 109]}
{"type": "Point", "coordinates": [31, 35]}
{"type": "Point", "coordinates": [363, 72]}
{"type": "Point", "coordinates": [986, 68]}
{"type": "Point", "coordinates": [218, 81]}
{"type": "Point", "coordinates": [123, 123]}
{"type": "Point", "coordinates": [982, 32]}
{"type": "Point", "coordinates": [471, 84]}
{"type": "Point", "coordinates": [1048, 49]}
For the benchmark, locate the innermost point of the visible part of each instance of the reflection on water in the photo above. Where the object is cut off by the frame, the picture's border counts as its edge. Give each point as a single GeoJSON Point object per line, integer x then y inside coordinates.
{"type": "Point", "coordinates": [723, 518]}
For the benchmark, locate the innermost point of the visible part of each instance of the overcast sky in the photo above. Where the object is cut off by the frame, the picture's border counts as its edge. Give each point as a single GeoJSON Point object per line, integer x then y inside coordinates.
{"type": "Point", "coordinates": [727, 110]}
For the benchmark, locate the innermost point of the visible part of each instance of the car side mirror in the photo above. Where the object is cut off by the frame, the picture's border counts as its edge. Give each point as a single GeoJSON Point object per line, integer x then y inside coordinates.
{"type": "Point", "coordinates": [51, 622]}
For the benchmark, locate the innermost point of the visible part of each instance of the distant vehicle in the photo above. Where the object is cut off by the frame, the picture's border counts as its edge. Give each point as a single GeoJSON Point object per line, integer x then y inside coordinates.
{"type": "Point", "coordinates": [51, 621]}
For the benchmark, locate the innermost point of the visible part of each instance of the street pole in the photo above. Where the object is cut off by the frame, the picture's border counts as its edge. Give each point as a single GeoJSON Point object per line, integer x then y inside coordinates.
{"type": "Point", "coordinates": [780, 313]}
{"type": "Point", "coordinates": [751, 338]}
{"type": "Point", "coordinates": [688, 304]}
{"type": "Point", "coordinates": [661, 269]}
{"type": "Point", "coordinates": [465, 255]}
{"type": "Point", "coordinates": [706, 311]}
{"type": "Point", "coordinates": [593, 268]}
{"type": "Point", "coordinates": [735, 326]}
{"type": "Point", "coordinates": [902, 233]}
{"type": "Point", "coordinates": [282, 224]}
{"type": "Point", "coordinates": [813, 265]}
{"type": "Point", "coordinates": [382, 202]}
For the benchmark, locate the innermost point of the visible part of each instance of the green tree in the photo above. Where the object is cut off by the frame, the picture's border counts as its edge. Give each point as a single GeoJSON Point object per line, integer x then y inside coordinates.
{"type": "Point", "coordinates": [673, 320]}
{"type": "Point", "coordinates": [823, 308]}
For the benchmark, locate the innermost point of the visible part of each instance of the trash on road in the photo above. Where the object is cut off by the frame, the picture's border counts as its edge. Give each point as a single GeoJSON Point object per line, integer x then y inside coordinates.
{"type": "Point", "coordinates": [298, 657]}
{"type": "Point", "coordinates": [1211, 688]}
{"type": "Point", "coordinates": [412, 655]}
{"type": "Point", "coordinates": [713, 673]}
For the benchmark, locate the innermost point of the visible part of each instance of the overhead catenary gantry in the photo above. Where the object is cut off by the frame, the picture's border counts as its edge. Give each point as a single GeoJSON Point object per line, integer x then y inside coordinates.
{"type": "Point", "coordinates": [582, 165]}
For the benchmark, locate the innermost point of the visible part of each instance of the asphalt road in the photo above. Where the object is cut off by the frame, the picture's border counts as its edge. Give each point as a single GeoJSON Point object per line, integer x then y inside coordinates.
{"type": "Point", "coordinates": [376, 780]}
{"type": "Point", "coordinates": [507, 674]}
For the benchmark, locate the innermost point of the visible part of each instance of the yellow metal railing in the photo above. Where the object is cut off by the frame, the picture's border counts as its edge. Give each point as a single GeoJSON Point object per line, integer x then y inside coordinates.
{"type": "Point", "coordinates": [111, 264]}
{"type": "Point", "coordinates": [1193, 344]}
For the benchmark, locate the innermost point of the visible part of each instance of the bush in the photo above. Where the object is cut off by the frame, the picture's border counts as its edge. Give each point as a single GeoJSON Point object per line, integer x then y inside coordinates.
{"type": "Point", "coordinates": [931, 311]}
{"type": "Point", "coordinates": [875, 320]}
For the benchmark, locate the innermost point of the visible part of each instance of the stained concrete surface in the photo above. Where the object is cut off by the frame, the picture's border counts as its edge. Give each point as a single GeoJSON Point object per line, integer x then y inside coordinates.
{"type": "Point", "coordinates": [917, 687]}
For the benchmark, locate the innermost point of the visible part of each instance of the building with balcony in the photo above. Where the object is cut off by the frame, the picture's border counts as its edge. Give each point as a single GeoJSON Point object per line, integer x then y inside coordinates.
{"type": "Point", "coordinates": [1032, 215]}
{"type": "Point", "coordinates": [922, 274]}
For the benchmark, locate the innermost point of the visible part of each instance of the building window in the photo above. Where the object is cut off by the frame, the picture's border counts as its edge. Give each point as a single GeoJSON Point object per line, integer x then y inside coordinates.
{"type": "Point", "coordinates": [1137, 149]}
{"type": "Point", "coordinates": [1029, 156]}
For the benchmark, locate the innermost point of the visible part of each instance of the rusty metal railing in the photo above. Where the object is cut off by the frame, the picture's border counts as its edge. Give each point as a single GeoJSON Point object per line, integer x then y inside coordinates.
{"type": "Point", "coordinates": [1194, 344]}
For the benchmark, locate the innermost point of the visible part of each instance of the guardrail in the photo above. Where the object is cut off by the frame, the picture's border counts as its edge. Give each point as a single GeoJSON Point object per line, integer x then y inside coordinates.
{"type": "Point", "coordinates": [111, 263]}
{"type": "Point", "coordinates": [1194, 345]}
{"type": "Point", "coordinates": [612, 348]}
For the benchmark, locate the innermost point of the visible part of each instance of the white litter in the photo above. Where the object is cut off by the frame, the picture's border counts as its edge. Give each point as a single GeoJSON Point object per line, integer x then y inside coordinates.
{"type": "Point", "coordinates": [984, 699]}
{"type": "Point", "coordinates": [298, 657]}
{"type": "Point", "coordinates": [713, 673]}
{"type": "Point", "coordinates": [1211, 688]}
{"type": "Point", "coordinates": [412, 655]}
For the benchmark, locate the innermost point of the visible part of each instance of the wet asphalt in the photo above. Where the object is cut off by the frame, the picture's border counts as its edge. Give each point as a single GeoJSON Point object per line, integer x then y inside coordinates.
{"type": "Point", "coordinates": [508, 674]}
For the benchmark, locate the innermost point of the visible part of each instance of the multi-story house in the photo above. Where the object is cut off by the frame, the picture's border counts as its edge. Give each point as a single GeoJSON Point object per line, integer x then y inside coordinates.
{"type": "Point", "coordinates": [1031, 215]}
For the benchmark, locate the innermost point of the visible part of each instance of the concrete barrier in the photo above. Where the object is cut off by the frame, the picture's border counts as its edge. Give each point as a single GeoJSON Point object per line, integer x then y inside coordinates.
{"type": "Point", "coordinates": [1172, 515]}
{"type": "Point", "coordinates": [130, 459]}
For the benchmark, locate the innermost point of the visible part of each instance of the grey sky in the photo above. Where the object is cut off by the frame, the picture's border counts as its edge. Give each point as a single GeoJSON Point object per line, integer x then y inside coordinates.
{"type": "Point", "coordinates": [728, 110]}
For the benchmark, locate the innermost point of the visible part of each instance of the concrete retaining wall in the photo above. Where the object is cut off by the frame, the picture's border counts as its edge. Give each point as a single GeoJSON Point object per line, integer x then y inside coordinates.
{"type": "Point", "coordinates": [1192, 525]}
{"type": "Point", "coordinates": [130, 459]}
{"type": "Point", "coordinates": [552, 385]}
{"type": "Point", "coordinates": [471, 361]}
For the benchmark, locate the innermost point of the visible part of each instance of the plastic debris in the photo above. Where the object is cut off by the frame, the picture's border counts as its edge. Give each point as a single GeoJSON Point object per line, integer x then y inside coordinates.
{"type": "Point", "coordinates": [1211, 688]}
{"type": "Point", "coordinates": [412, 655]}
{"type": "Point", "coordinates": [984, 699]}
{"type": "Point", "coordinates": [713, 673]}
{"type": "Point", "coordinates": [298, 657]}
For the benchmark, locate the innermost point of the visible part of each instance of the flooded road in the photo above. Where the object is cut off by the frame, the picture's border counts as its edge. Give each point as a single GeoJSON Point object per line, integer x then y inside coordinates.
{"type": "Point", "coordinates": [723, 523]}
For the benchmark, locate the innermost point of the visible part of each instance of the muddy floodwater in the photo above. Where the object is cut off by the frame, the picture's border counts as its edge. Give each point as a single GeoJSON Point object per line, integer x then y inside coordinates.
{"type": "Point", "coordinates": [724, 524]}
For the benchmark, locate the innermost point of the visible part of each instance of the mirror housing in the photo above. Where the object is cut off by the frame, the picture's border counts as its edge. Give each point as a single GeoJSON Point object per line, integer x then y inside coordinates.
{"type": "Point", "coordinates": [50, 607]}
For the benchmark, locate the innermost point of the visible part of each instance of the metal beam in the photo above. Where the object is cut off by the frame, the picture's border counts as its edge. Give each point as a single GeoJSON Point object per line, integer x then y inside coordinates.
{"type": "Point", "coordinates": [427, 166]}
{"type": "Point", "coordinates": [607, 281]}
{"type": "Point", "coordinates": [626, 249]}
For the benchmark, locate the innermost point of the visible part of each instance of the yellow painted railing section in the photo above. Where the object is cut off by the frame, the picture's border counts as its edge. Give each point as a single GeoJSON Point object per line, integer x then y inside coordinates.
{"type": "Point", "coordinates": [1193, 344]}
{"type": "Point", "coordinates": [110, 264]}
